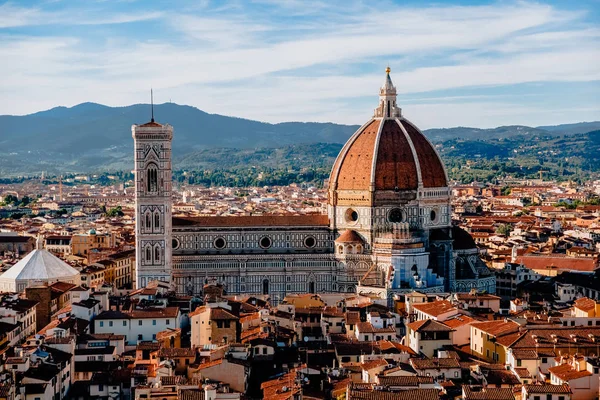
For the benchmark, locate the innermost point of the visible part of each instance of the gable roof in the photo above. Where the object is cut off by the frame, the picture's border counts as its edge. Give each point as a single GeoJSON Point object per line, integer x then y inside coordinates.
{"type": "Point", "coordinates": [429, 325]}
{"type": "Point", "coordinates": [496, 328]}
{"type": "Point", "coordinates": [435, 308]}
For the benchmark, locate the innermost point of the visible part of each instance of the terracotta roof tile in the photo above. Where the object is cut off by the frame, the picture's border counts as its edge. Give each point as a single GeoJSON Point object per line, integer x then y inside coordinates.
{"type": "Point", "coordinates": [496, 328]}
{"type": "Point", "coordinates": [566, 372]}
{"type": "Point", "coordinates": [489, 393]}
{"type": "Point", "coordinates": [459, 320]}
{"type": "Point", "coordinates": [432, 169]}
{"type": "Point", "coordinates": [221, 314]}
{"type": "Point", "coordinates": [435, 308]}
{"type": "Point", "coordinates": [585, 304]}
{"type": "Point", "coordinates": [429, 325]}
{"type": "Point", "coordinates": [365, 393]}
{"type": "Point", "coordinates": [354, 169]}
{"type": "Point", "coordinates": [395, 164]}
{"type": "Point", "coordinates": [547, 388]}
{"type": "Point", "coordinates": [434, 363]}
{"type": "Point", "coordinates": [349, 236]}
{"type": "Point", "coordinates": [559, 262]}
{"type": "Point", "coordinates": [405, 380]}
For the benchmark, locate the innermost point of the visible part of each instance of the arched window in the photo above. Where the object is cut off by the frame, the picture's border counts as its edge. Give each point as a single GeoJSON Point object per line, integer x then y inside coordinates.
{"type": "Point", "coordinates": [266, 286]}
{"type": "Point", "coordinates": [157, 254]}
{"type": "Point", "coordinates": [148, 222]}
{"type": "Point", "coordinates": [157, 221]}
{"type": "Point", "coordinates": [152, 178]}
{"type": "Point", "coordinates": [148, 255]}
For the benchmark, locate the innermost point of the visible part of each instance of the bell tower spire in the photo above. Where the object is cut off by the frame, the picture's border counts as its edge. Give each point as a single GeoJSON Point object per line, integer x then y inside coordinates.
{"type": "Point", "coordinates": [387, 99]}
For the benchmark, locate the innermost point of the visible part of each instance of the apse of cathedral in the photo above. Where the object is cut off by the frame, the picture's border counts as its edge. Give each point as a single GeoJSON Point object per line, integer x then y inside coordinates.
{"type": "Point", "coordinates": [387, 230]}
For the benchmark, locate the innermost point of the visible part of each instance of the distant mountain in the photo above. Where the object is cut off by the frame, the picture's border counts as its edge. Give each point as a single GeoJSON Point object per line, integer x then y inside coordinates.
{"type": "Point", "coordinates": [502, 132]}
{"type": "Point", "coordinates": [568, 129]}
{"type": "Point", "coordinates": [94, 137]}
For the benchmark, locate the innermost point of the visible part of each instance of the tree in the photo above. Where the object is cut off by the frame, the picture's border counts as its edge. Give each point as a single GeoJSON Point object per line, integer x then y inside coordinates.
{"type": "Point", "coordinates": [504, 229]}
{"type": "Point", "coordinates": [115, 212]}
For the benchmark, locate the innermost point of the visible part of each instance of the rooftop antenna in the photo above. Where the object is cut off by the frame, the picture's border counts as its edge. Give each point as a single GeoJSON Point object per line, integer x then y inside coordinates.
{"type": "Point", "coordinates": [152, 104]}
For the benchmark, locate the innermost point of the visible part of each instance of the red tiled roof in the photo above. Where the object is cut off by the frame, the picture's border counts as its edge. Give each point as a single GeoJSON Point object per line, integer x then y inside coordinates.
{"type": "Point", "coordinates": [546, 388]}
{"type": "Point", "coordinates": [556, 337]}
{"type": "Point", "coordinates": [459, 320]}
{"type": "Point", "coordinates": [523, 372]}
{"type": "Point", "coordinates": [585, 304]}
{"type": "Point", "coordinates": [385, 345]}
{"type": "Point", "coordinates": [489, 393]}
{"type": "Point", "coordinates": [167, 312]}
{"type": "Point", "coordinates": [432, 169]}
{"type": "Point", "coordinates": [566, 372]}
{"type": "Point", "coordinates": [352, 169]}
{"type": "Point", "coordinates": [366, 392]}
{"type": "Point", "coordinates": [428, 325]}
{"type": "Point", "coordinates": [565, 263]}
{"type": "Point", "coordinates": [411, 380]}
{"type": "Point", "coordinates": [435, 308]}
{"type": "Point", "coordinates": [434, 363]}
{"type": "Point", "coordinates": [220, 314]}
{"type": "Point", "coordinates": [374, 364]}
{"type": "Point", "coordinates": [349, 236]}
{"type": "Point", "coordinates": [395, 165]}
{"type": "Point", "coordinates": [387, 149]}
{"type": "Point", "coordinates": [496, 328]}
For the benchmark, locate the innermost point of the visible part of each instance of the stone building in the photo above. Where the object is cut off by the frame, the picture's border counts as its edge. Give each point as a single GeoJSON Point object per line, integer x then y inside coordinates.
{"type": "Point", "coordinates": [387, 229]}
{"type": "Point", "coordinates": [213, 325]}
{"type": "Point", "coordinates": [16, 244]}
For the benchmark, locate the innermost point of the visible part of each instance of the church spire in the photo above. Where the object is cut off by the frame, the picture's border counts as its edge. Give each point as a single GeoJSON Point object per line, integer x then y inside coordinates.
{"type": "Point", "coordinates": [387, 99]}
{"type": "Point", "coordinates": [152, 104]}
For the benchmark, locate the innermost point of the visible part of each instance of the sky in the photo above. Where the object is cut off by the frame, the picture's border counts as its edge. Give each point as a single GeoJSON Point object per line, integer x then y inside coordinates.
{"type": "Point", "coordinates": [454, 63]}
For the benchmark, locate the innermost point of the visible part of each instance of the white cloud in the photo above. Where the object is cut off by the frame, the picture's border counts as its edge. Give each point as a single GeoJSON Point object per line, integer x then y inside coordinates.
{"type": "Point", "coordinates": [275, 67]}
{"type": "Point", "coordinates": [12, 16]}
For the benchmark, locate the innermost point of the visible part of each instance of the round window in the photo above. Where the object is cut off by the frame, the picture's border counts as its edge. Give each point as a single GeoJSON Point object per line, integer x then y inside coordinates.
{"type": "Point", "coordinates": [396, 215]}
{"type": "Point", "coordinates": [351, 215]}
{"type": "Point", "coordinates": [175, 243]}
{"type": "Point", "coordinates": [433, 215]}
{"type": "Point", "coordinates": [220, 243]}
{"type": "Point", "coordinates": [310, 242]}
{"type": "Point", "coordinates": [265, 242]}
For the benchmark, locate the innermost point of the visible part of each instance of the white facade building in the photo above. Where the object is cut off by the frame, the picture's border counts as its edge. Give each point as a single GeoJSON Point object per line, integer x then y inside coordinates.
{"type": "Point", "coordinates": [138, 325]}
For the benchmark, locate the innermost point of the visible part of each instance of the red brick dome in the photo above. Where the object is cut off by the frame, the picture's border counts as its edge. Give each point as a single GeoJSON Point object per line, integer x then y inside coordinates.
{"type": "Point", "coordinates": [387, 154]}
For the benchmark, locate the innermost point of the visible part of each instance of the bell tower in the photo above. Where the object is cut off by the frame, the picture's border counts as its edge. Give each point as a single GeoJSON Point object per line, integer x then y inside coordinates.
{"type": "Point", "coordinates": [153, 181]}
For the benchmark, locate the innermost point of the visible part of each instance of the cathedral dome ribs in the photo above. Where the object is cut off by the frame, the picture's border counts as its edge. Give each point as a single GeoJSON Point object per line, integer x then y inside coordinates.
{"type": "Point", "coordinates": [387, 154]}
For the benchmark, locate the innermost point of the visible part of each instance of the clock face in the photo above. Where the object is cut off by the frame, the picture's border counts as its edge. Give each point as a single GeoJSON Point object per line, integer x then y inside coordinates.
{"type": "Point", "coordinates": [396, 215]}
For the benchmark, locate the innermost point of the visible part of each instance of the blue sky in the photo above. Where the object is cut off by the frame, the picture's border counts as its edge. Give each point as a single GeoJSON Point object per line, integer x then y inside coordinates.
{"type": "Point", "coordinates": [467, 63]}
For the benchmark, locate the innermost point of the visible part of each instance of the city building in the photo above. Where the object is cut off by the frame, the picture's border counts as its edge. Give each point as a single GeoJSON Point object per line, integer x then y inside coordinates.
{"type": "Point", "coordinates": [37, 268]}
{"type": "Point", "coordinates": [387, 228]}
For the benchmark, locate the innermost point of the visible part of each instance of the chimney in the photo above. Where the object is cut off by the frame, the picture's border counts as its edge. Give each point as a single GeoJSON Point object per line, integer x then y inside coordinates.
{"type": "Point", "coordinates": [210, 392]}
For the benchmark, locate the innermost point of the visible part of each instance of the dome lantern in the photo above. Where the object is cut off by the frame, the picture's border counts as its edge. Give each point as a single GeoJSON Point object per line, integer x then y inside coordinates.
{"type": "Point", "coordinates": [387, 99]}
